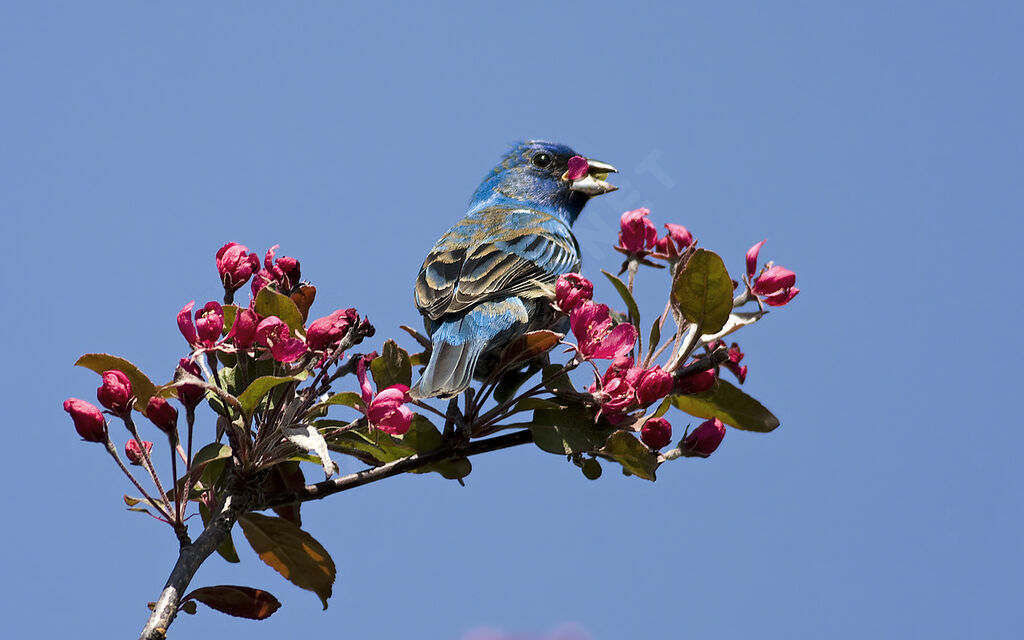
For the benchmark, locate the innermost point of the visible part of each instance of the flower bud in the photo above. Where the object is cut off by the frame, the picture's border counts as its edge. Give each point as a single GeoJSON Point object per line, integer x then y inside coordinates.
{"type": "Point", "coordinates": [654, 385]}
{"type": "Point", "coordinates": [675, 241]}
{"type": "Point", "coordinates": [134, 453]}
{"type": "Point", "coordinates": [636, 233]}
{"type": "Point", "coordinates": [696, 382]}
{"type": "Point", "coordinates": [116, 392]}
{"type": "Point", "coordinates": [733, 363]}
{"type": "Point", "coordinates": [366, 330]}
{"type": "Point", "coordinates": [329, 330]}
{"type": "Point", "coordinates": [578, 167]}
{"type": "Point", "coordinates": [571, 289]}
{"type": "Point", "coordinates": [243, 330]}
{"type": "Point", "coordinates": [774, 280]}
{"type": "Point", "coordinates": [290, 273]}
{"type": "Point", "coordinates": [210, 323]}
{"type": "Point", "coordinates": [703, 440]}
{"type": "Point", "coordinates": [387, 411]}
{"type": "Point", "coordinates": [274, 334]}
{"type": "Point", "coordinates": [236, 265]}
{"type": "Point", "coordinates": [189, 394]}
{"type": "Point", "coordinates": [656, 433]}
{"type": "Point", "coordinates": [89, 420]}
{"type": "Point", "coordinates": [162, 414]}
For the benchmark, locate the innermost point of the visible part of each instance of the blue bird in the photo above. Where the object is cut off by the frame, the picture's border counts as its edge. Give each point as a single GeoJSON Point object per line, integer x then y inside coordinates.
{"type": "Point", "coordinates": [489, 278]}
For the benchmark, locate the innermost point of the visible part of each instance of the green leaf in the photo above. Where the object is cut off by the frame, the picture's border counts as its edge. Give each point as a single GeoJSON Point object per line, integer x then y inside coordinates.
{"type": "Point", "coordinates": [511, 382]}
{"type": "Point", "coordinates": [230, 313]}
{"type": "Point", "coordinates": [391, 367]}
{"type": "Point", "coordinates": [142, 386]}
{"type": "Point", "coordinates": [346, 399]}
{"type": "Point", "coordinates": [556, 383]}
{"type": "Point", "coordinates": [703, 291]}
{"type": "Point", "coordinates": [729, 404]}
{"type": "Point", "coordinates": [250, 398]}
{"type": "Point", "coordinates": [655, 337]}
{"type": "Point", "coordinates": [627, 297]}
{"type": "Point", "coordinates": [568, 430]}
{"type": "Point", "coordinates": [635, 457]}
{"type": "Point", "coordinates": [529, 404]}
{"type": "Point", "coordinates": [591, 469]}
{"type": "Point", "coordinates": [227, 548]}
{"type": "Point", "coordinates": [292, 552]}
{"type": "Point", "coordinates": [241, 602]}
{"type": "Point", "coordinates": [271, 303]}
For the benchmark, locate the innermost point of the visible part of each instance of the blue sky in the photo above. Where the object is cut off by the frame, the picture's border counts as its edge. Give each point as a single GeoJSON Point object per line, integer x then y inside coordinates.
{"type": "Point", "coordinates": [878, 146]}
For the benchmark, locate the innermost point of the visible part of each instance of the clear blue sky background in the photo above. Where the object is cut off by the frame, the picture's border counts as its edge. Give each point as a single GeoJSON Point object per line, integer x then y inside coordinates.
{"type": "Point", "coordinates": [877, 145]}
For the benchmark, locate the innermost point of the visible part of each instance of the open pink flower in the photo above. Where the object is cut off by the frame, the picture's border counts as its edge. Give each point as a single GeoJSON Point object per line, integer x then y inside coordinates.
{"type": "Point", "coordinates": [636, 233]}
{"type": "Point", "coordinates": [733, 363]}
{"type": "Point", "coordinates": [236, 265]}
{"type": "Point", "coordinates": [703, 440]}
{"type": "Point", "coordinates": [675, 241]}
{"type": "Point", "coordinates": [208, 325]}
{"type": "Point", "coordinates": [592, 326]}
{"type": "Point", "coordinates": [571, 289]}
{"type": "Point", "coordinates": [89, 420]}
{"type": "Point", "coordinates": [274, 334]}
{"type": "Point", "coordinates": [776, 286]}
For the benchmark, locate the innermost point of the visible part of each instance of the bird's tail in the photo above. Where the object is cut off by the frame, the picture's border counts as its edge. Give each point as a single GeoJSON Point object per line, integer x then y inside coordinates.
{"type": "Point", "coordinates": [450, 369]}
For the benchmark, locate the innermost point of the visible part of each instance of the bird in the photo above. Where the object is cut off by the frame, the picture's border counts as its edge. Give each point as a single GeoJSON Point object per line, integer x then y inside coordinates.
{"type": "Point", "coordinates": [490, 277]}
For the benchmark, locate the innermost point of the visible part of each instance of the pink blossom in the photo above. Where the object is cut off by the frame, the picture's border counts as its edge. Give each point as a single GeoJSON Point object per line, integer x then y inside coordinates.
{"type": "Point", "coordinates": [703, 440]}
{"type": "Point", "coordinates": [636, 233]}
{"type": "Point", "coordinates": [578, 167]}
{"type": "Point", "coordinates": [116, 392]}
{"type": "Point", "coordinates": [284, 270]}
{"type": "Point", "coordinates": [365, 390]}
{"type": "Point", "coordinates": [654, 385]}
{"type": "Point", "coordinates": [133, 452]}
{"type": "Point", "coordinates": [592, 326]}
{"type": "Point", "coordinates": [236, 265]}
{"type": "Point", "coordinates": [752, 253]}
{"type": "Point", "coordinates": [571, 289]}
{"type": "Point", "coordinates": [243, 329]}
{"type": "Point", "coordinates": [274, 334]}
{"type": "Point", "coordinates": [88, 419]}
{"type": "Point", "coordinates": [776, 286]}
{"type": "Point", "coordinates": [208, 325]}
{"type": "Point", "coordinates": [779, 298]}
{"type": "Point", "coordinates": [733, 363]}
{"type": "Point", "coordinates": [656, 433]}
{"type": "Point", "coordinates": [189, 394]}
{"type": "Point", "coordinates": [162, 414]}
{"type": "Point", "coordinates": [387, 411]}
{"type": "Point", "coordinates": [329, 330]}
{"type": "Point", "coordinates": [675, 241]}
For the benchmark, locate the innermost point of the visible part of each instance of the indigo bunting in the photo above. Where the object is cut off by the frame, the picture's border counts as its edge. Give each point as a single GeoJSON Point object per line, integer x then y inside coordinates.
{"type": "Point", "coordinates": [489, 279]}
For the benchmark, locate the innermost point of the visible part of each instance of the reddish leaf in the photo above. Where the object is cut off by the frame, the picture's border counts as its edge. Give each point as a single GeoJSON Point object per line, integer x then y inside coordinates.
{"type": "Point", "coordinates": [292, 552]}
{"type": "Point", "coordinates": [241, 602]}
{"type": "Point", "coordinates": [529, 346]}
{"type": "Point", "coordinates": [303, 299]}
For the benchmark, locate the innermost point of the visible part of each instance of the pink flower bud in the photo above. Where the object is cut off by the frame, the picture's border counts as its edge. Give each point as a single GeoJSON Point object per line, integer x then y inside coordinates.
{"type": "Point", "coordinates": [134, 453]}
{"type": "Point", "coordinates": [236, 265]}
{"type": "Point", "coordinates": [274, 334]}
{"type": "Point", "coordinates": [365, 390]}
{"type": "Point", "coordinates": [675, 241]}
{"type": "Point", "coordinates": [696, 382]}
{"type": "Point", "coordinates": [284, 270]}
{"type": "Point", "coordinates": [186, 326]}
{"type": "Point", "coordinates": [162, 414]}
{"type": "Point", "coordinates": [329, 330]}
{"type": "Point", "coordinates": [578, 167]}
{"type": "Point", "coordinates": [654, 385]}
{"type": "Point", "coordinates": [636, 233]}
{"type": "Point", "coordinates": [656, 433]}
{"type": "Point", "coordinates": [388, 412]}
{"type": "Point", "coordinates": [89, 421]}
{"type": "Point", "coordinates": [189, 394]}
{"type": "Point", "coordinates": [571, 289]}
{"type": "Point", "coordinates": [116, 392]}
{"type": "Point", "coordinates": [773, 281]}
{"type": "Point", "coordinates": [752, 258]}
{"type": "Point", "coordinates": [243, 330]}
{"type": "Point", "coordinates": [592, 326]}
{"type": "Point", "coordinates": [210, 324]}
{"type": "Point", "coordinates": [703, 440]}
{"type": "Point", "coordinates": [260, 280]}
{"type": "Point", "coordinates": [733, 363]}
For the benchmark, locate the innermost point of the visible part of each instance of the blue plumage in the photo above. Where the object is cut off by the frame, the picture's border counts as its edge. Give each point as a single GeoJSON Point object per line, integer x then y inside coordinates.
{"type": "Point", "coordinates": [487, 280]}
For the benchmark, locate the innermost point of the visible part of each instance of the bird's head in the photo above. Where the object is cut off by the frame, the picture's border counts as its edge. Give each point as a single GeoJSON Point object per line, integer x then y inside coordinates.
{"type": "Point", "coordinates": [536, 174]}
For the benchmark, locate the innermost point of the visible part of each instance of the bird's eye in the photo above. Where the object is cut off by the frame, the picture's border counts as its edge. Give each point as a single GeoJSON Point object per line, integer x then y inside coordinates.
{"type": "Point", "coordinates": [541, 160]}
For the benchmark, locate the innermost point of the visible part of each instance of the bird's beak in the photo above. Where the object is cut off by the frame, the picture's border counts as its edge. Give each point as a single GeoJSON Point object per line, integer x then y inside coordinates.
{"type": "Point", "coordinates": [593, 183]}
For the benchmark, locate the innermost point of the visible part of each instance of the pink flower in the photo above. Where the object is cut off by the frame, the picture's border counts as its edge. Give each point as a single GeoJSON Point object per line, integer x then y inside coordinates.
{"type": "Point", "coordinates": [578, 167]}
{"type": "Point", "coordinates": [387, 411]}
{"type": "Point", "coordinates": [752, 258]}
{"type": "Point", "coordinates": [775, 285]}
{"type": "Point", "coordinates": [133, 452]}
{"type": "Point", "coordinates": [656, 433]}
{"type": "Point", "coordinates": [654, 385]}
{"type": "Point", "coordinates": [189, 394]}
{"type": "Point", "coordinates": [261, 279]}
{"type": "Point", "coordinates": [696, 382]}
{"type": "Point", "coordinates": [592, 326]}
{"type": "Point", "coordinates": [329, 330]}
{"type": "Point", "coordinates": [206, 330]}
{"type": "Point", "coordinates": [636, 233]}
{"type": "Point", "coordinates": [236, 265]}
{"type": "Point", "coordinates": [89, 420]}
{"type": "Point", "coordinates": [116, 392]}
{"type": "Point", "coordinates": [571, 289]}
{"type": "Point", "coordinates": [274, 334]}
{"type": "Point", "coordinates": [733, 363]}
{"type": "Point", "coordinates": [615, 397]}
{"type": "Point", "coordinates": [675, 241]}
{"type": "Point", "coordinates": [162, 414]}
{"type": "Point", "coordinates": [243, 329]}
{"type": "Point", "coordinates": [703, 440]}
{"type": "Point", "coordinates": [284, 270]}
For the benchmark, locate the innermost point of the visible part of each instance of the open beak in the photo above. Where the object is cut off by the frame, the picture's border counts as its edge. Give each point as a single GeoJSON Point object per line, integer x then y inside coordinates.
{"type": "Point", "coordinates": [593, 183]}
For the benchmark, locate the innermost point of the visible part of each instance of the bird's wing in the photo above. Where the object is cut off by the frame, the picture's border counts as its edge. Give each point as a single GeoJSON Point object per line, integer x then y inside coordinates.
{"type": "Point", "coordinates": [494, 254]}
